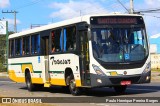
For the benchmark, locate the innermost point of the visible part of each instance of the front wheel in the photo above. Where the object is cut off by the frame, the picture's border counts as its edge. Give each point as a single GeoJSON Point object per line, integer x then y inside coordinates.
{"type": "Point", "coordinates": [120, 89]}
{"type": "Point", "coordinates": [72, 86]}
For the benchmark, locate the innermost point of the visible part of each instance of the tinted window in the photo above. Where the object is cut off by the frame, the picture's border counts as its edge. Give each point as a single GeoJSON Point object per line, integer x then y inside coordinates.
{"type": "Point", "coordinates": [70, 38]}
{"type": "Point", "coordinates": [119, 44]}
{"type": "Point", "coordinates": [26, 45]}
{"type": "Point", "coordinates": [11, 48]}
{"type": "Point", "coordinates": [56, 41]}
{"type": "Point", "coordinates": [18, 47]}
{"type": "Point", "coordinates": [35, 44]}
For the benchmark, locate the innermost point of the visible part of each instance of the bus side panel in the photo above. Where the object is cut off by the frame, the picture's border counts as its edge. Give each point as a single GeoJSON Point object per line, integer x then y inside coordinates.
{"type": "Point", "coordinates": [18, 66]}
{"type": "Point", "coordinates": [59, 63]}
{"type": "Point", "coordinates": [14, 73]}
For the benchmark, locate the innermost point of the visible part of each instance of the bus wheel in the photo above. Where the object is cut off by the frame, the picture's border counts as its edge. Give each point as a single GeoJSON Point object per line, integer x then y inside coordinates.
{"type": "Point", "coordinates": [29, 84]}
{"type": "Point", "coordinates": [120, 89]}
{"type": "Point", "coordinates": [72, 86]}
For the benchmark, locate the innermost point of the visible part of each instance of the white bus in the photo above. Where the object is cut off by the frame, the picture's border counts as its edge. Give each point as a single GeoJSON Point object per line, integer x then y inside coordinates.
{"type": "Point", "coordinates": [108, 50]}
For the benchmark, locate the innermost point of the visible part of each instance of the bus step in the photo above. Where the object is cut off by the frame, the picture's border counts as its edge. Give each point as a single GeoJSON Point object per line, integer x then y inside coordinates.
{"type": "Point", "coordinates": [47, 85]}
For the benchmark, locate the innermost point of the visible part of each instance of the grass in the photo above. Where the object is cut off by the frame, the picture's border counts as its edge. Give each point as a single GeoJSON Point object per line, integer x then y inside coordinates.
{"type": "Point", "coordinates": [155, 70]}
{"type": "Point", "coordinates": [2, 71]}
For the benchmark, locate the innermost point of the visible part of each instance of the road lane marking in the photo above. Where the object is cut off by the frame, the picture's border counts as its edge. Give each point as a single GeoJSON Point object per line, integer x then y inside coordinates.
{"type": "Point", "coordinates": [92, 103]}
{"type": "Point", "coordinates": [8, 81]}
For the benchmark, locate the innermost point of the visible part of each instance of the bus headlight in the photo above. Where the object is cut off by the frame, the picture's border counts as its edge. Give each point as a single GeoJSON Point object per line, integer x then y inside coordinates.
{"type": "Point", "coordinates": [98, 70]}
{"type": "Point", "coordinates": [148, 68]}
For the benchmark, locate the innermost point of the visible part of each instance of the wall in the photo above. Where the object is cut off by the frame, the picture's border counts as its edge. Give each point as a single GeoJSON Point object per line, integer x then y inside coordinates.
{"type": "Point", "coordinates": [155, 61]}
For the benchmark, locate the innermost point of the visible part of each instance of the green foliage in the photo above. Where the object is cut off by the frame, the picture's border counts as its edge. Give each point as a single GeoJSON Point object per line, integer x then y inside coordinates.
{"type": "Point", "coordinates": [11, 32]}
{"type": "Point", "coordinates": [3, 51]}
{"type": "Point", "coordinates": [156, 69]}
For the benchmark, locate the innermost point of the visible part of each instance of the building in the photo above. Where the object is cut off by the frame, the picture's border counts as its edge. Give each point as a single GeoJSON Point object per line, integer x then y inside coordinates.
{"type": "Point", "coordinates": [155, 61]}
{"type": "Point", "coordinates": [155, 57]}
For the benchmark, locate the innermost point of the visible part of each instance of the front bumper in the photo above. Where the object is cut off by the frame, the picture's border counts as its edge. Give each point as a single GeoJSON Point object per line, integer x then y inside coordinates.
{"type": "Point", "coordinates": [103, 81]}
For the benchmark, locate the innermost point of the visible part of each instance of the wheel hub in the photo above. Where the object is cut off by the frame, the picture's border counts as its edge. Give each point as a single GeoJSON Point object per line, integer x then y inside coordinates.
{"type": "Point", "coordinates": [72, 84]}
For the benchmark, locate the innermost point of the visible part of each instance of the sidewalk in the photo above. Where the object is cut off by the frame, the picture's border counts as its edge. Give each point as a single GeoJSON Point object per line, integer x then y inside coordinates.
{"type": "Point", "coordinates": [3, 74]}
{"type": "Point", "coordinates": [155, 76]}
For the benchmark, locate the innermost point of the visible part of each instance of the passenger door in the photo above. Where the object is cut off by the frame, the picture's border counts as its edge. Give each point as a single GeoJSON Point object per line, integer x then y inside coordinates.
{"type": "Point", "coordinates": [84, 56]}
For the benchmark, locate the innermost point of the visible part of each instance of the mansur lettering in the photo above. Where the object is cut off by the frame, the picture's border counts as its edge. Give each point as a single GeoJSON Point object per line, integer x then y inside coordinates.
{"type": "Point", "coordinates": [60, 61]}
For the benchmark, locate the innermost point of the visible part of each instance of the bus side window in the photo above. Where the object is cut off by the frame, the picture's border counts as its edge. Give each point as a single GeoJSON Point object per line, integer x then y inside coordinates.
{"type": "Point", "coordinates": [11, 48]}
{"type": "Point", "coordinates": [26, 45]}
{"type": "Point", "coordinates": [10, 45]}
{"type": "Point", "coordinates": [35, 44]}
{"type": "Point", "coordinates": [55, 40]}
{"type": "Point", "coordinates": [18, 47]}
{"type": "Point", "coordinates": [70, 38]}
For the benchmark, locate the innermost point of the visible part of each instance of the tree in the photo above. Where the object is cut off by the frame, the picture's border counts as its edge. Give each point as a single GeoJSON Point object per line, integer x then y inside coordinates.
{"type": "Point", "coordinates": [3, 51]}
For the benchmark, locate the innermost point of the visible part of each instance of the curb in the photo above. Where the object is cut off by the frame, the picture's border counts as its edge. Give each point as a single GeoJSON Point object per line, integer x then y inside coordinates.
{"type": "Point", "coordinates": [3, 75]}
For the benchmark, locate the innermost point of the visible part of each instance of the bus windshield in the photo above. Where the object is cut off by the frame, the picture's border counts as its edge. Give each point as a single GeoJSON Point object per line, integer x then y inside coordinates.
{"type": "Point", "coordinates": [119, 44]}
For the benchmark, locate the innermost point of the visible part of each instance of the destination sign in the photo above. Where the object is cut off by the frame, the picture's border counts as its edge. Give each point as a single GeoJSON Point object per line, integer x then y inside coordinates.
{"type": "Point", "coordinates": [116, 20]}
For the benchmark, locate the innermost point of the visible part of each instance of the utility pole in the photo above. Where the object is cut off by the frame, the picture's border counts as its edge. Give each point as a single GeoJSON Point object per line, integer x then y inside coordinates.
{"type": "Point", "coordinates": [15, 23]}
{"type": "Point", "coordinates": [7, 34]}
{"type": "Point", "coordinates": [131, 7]}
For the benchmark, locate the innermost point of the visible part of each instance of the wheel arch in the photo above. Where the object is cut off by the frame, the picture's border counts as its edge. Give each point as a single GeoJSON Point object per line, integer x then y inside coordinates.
{"type": "Point", "coordinates": [27, 71]}
{"type": "Point", "coordinates": [68, 72]}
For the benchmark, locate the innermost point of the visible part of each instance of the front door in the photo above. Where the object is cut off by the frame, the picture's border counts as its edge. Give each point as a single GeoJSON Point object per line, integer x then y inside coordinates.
{"type": "Point", "coordinates": [84, 58]}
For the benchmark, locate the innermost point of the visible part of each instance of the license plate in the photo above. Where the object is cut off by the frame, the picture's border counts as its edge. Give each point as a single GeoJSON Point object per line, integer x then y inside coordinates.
{"type": "Point", "coordinates": [125, 82]}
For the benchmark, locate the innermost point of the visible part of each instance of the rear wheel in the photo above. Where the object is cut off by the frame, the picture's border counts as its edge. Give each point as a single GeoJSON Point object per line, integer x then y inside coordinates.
{"type": "Point", "coordinates": [72, 86]}
{"type": "Point", "coordinates": [29, 84]}
{"type": "Point", "coordinates": [120, 89]}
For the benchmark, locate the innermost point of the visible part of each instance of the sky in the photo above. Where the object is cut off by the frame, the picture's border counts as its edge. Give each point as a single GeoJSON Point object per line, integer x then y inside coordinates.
{"type": "Point", "coordinates": [33, 12]}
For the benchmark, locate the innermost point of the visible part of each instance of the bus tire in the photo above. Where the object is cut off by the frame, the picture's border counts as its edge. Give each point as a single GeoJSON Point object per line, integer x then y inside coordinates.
{"type": "Point", "coordinates": [72, 86]}
{"type": "Point", "coordinates": [120, 89]}
{"type": "Point", "coordinates": [29, 84]}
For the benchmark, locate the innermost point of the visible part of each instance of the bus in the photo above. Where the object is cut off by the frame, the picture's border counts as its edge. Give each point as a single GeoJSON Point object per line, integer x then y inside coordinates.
{"type": "Point", "coordinates": [105, 50]}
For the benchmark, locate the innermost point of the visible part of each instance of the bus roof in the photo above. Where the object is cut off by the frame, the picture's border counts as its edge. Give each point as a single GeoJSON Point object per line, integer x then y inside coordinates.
{"type": "Point", "coordinates": [85, 18]}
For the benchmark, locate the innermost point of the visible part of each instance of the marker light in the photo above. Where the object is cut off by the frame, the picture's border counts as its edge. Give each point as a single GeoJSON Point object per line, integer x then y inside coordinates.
{"type": "Point", "coordinates": [99, 80]}
{"type": "Point", "coordinates": [147, 78]}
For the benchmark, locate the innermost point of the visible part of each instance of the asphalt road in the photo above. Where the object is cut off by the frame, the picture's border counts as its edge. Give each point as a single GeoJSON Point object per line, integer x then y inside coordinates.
{"type": "Point", "coordinates": [12, 89]}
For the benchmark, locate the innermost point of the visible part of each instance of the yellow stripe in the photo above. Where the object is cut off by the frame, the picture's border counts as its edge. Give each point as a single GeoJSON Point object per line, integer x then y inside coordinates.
{"type": "Point", "coordinates": [57, 81]}
{"type": "Point", "coordinates": [29, 66]}
{"type": "Point", "coordinates": [78, 83]}
{"type": "Point", "coordinates": [53, 81]}
{"type": "Point", "coordinates": [13, 77]}
{"type": "Point", "coordinates": [37, 80]}
{"type": "Point", "coordinates": [62, 82]}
